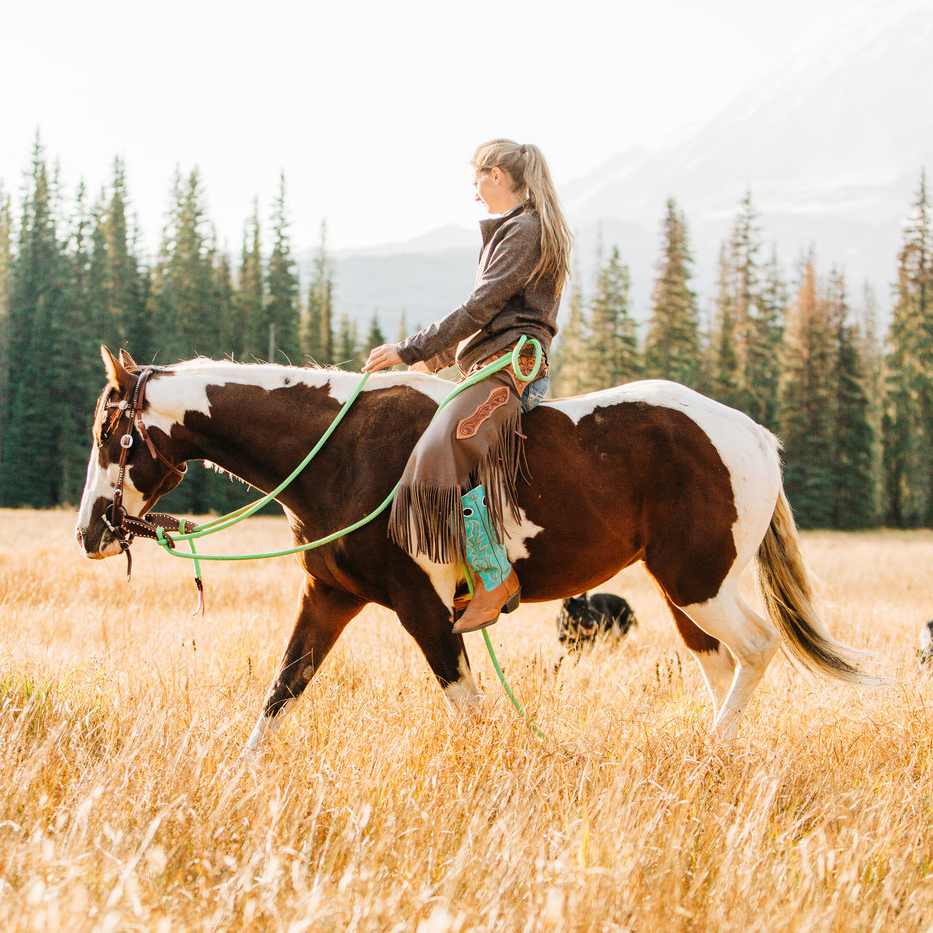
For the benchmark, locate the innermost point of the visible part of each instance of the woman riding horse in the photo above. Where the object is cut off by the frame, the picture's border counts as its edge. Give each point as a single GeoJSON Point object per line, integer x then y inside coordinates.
{"type": "Point", "coordinates": [461, 476]}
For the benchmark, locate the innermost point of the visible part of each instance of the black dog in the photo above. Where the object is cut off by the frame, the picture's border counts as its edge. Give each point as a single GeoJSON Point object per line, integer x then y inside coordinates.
{"type": "Point", "coordinates": [584, 617]}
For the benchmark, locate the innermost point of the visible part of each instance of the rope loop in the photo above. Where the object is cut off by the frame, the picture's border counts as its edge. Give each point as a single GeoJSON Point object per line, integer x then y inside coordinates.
{"type": "Point", "coordinates": [516, 353]}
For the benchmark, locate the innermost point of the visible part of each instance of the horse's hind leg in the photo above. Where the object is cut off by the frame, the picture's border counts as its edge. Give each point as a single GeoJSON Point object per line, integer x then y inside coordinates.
{"type": "Point", "coordinates": [715, 660]}
{"type": "Point", "coordinates": [751, 640]}
{"type": "Point", "coordinates": [323, 613]}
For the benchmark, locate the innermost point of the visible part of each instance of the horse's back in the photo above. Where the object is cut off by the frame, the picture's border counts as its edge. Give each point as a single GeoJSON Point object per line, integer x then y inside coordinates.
{"type": "Point", "coordinates": [654, 469]}
{"type": "Point", "coordinates": [714, 417]}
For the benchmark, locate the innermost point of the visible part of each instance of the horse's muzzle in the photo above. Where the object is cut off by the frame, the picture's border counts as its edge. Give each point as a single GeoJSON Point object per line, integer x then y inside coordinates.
{"type": "Point", "coordinates": [97, 546]}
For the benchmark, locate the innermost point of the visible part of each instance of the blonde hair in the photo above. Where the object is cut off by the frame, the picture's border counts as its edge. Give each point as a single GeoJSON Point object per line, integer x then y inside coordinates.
{"type": "Point", "coordinates": [528, 170]}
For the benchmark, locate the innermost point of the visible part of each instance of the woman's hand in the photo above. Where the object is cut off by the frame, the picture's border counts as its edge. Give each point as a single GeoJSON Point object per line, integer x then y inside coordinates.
{"type": "Point", "coordinates": [419, 367]}
{"type": "Point", "coordinates": [380, 357]}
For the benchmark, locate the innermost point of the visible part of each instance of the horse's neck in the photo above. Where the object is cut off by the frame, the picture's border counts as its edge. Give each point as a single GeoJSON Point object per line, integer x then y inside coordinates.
{"type": "Point", "coordinates": [256, 434]}
{"type": "Point", "coordinates": [244, 431]}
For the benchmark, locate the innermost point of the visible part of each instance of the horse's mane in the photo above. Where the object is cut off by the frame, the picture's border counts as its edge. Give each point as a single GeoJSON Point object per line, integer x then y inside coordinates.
{"type": "Point", "coordinates": [435, 387]}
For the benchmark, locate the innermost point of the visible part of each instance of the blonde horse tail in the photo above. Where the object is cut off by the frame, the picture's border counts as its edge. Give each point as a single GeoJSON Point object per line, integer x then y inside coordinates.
{"type": "Point", "coordinates": [785, 587]}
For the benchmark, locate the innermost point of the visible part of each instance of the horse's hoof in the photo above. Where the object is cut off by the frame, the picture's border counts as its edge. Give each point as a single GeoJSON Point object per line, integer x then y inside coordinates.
{"type": "Point", "coordinates": [250, 759]}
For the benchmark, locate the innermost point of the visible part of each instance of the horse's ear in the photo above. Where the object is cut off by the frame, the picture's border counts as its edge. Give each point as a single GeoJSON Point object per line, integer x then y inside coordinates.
{"type": "Point", "coordinates": [128, 362]}
{"type": "Point", "coordinates": [116, 371]}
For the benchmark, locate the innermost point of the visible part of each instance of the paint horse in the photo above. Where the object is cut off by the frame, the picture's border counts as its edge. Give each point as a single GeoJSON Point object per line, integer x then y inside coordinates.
{"type": "Point", "coordinates": [649, 471]}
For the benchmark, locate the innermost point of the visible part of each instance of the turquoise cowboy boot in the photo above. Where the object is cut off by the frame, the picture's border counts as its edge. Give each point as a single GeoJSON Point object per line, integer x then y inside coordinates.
{"type": "Point", "coordinates": [496, 586]}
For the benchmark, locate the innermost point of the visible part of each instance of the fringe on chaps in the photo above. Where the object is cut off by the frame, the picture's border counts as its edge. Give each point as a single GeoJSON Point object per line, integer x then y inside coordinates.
{"type": "Point", "coordinates": [475, 440]}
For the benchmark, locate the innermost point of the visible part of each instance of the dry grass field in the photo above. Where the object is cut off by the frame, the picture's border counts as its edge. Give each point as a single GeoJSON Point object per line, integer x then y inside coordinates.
{"type": "Point", "coordinates": [124, 808]}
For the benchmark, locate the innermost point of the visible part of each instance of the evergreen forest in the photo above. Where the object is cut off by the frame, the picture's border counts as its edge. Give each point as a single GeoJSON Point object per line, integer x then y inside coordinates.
{"type": "Point", "coordinates": [845, 381]}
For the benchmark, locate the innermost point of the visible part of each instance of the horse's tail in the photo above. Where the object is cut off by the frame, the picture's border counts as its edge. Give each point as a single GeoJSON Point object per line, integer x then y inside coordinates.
{"type": "Point", "coordinates": [788, 597]}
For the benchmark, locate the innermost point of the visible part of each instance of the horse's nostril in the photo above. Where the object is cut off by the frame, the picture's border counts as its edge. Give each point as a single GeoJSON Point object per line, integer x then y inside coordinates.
{"type": "Point", "coordinates": [79, 535]}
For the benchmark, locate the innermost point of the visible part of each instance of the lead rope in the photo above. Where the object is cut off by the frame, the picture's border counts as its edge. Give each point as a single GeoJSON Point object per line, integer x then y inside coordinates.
{"type": "Point", "coordinates": [232, 518]}
{"type": "Point", "coordinates": [508, 689]}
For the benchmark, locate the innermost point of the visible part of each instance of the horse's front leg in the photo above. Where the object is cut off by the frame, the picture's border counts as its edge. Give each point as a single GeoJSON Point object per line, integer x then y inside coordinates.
{"type": "Point", "coordinates": [323, 613]}
{"type": "Point", "coordinates": [430, 622]}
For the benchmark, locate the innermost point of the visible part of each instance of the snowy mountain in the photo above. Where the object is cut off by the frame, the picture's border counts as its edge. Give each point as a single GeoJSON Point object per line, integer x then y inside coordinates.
{"type": "Point", "coordinates": [831, 147]}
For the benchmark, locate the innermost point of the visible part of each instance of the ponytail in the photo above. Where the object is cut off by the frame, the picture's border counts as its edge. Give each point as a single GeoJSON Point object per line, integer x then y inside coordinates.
{"type": "Point", "coordinates": [529, 172]}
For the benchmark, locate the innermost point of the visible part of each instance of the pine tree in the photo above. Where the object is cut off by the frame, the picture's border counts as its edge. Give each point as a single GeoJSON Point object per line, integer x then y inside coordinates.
{"type": "Point", "coordinates": [282, 311]}
{"type": "Point", "coordinates": [724, 365]}
{"type": "Point", "coordinates": [181, 301]}
{"type": "Point", "coordinates": [115, 299]}
{"type": "Point", "coordinates": [6, 276]}
{"type": "Point", "coordinates": [750, 305]}
{"type": "Point", "coordinates": [319, 334]}
{"type": "Point", "coordinates": [127, 277]}
{"type": "Point", "coordinates": [183, 281]}
{"type": "Point", "coordinates": [97, 287]}
{"type": "Point", "coordinates": [30, 473]}
{"type": "Point", "coordinates": [347, 342]}
{"type": "Point", "coordinates": [672, 343]}
{"type": "Point", "coordinates": [223, 305]}
{"type": "Point", "coordinates": [704, 383]}
{"type": "Point", "coordinates": [161, 299]}
{"type": "Point", "coordinates": [250, 295]}
{"type": "Point", "coordinates": [744, 246]}
{"type": "Point", "coordinates": [807, 403]}
{"type": "Point", "coordinates": [569, 372]}
{"type": "Point", "coordinates": [375, 337]}
{"type": "Point", "coordinates": [908, 431]}
{"type": "Point", "coordinates": [767, 335]}
{"type": "Point", "coordinates": [851, 460]}
{"type": "Point", "coordinates": [613, 347]}
{"type": "Point", "coordinates": [82, 314]}
{"type": "Point", "coordinates": [870, 351]}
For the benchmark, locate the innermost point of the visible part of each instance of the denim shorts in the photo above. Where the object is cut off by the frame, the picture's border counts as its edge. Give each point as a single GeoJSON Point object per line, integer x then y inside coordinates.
{"type": "Point", "coordinates": [534, 393]}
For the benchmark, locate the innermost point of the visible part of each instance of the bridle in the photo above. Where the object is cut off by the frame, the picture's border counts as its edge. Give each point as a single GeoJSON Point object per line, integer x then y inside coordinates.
{"type": "Point", "coordinates": [123, 526]}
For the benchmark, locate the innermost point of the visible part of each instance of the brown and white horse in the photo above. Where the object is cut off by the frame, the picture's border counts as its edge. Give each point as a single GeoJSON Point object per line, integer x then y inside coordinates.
{"type": "Point", "coordinates": [649, 471]}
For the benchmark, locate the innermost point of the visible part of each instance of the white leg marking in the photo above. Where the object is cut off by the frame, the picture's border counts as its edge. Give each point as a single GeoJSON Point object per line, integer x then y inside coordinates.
{"type": "Point", "coordinates": [752, 641]}
{"type": "Point", "coordinates": [463, 694]}
{"type": "Point", "coordinates": [265, 728]}
{"type": "Point", "coordinates": [718, 669]}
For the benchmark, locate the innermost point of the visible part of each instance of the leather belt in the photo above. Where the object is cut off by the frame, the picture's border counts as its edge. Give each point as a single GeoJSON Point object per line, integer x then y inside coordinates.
{"type": "Point", "coordinates": [526, 362]}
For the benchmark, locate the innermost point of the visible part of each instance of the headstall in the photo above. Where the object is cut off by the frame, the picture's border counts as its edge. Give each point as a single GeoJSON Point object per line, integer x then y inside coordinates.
{"type": "Point", "coordinates": [122, 526]}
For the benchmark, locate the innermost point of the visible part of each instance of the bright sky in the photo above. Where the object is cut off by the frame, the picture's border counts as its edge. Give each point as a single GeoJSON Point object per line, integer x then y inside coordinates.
{"type": "Point", "coordinates": [371, 108]}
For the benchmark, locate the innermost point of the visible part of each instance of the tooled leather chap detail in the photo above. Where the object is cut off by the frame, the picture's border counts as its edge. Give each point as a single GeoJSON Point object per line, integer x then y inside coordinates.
{"type": "Point", "coordinates": [470, 425]}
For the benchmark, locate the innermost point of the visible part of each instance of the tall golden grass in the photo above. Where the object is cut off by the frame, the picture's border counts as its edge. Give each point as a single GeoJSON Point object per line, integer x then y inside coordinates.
{"type": "Point", "coordinates": [124, 808]}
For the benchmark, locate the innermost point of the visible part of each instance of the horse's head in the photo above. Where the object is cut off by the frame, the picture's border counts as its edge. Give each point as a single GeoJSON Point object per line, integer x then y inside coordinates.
{"type": "Point", "coordinates": [126, 473]}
